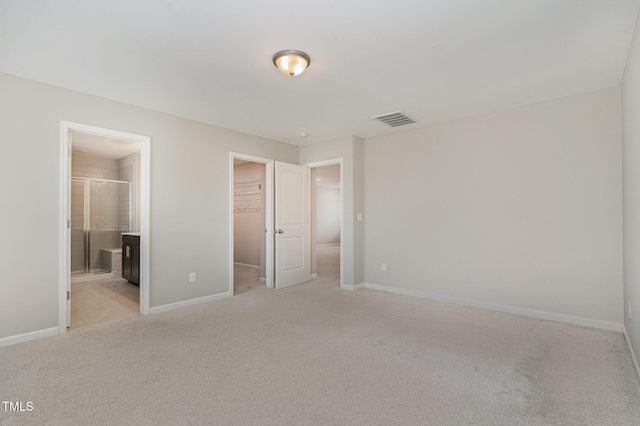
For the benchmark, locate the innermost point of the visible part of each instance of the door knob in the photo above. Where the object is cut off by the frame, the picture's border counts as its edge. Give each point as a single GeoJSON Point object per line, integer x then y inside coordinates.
{"type": "Point", "coordinates": [280, 231]}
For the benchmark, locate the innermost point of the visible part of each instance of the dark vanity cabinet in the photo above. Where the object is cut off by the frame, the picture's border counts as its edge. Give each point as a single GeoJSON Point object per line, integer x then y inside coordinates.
{"type": "Point", "coordinates": [131, 258]}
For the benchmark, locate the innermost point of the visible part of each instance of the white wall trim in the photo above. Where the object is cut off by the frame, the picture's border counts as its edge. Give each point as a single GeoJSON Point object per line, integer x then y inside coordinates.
{"type": "Point", "coordinates": [27, 337]}
{"type": "Point", "coordinates": [190, 302]}
{"type": "Point", "coordinates": [633, 355]}
{"type": "Point", "coordinates": [64, 257]}
{"type": "Point", "coordinates": [352, 287]}
{"type": "Point", "coordinates": [314, 276]}
{"type": "Point", "coordinates": [569, 319]}
{"type": "Point", "coordinates": [328, 245]}
{"type": "Point", "coordinates": [247, 265]}
{"type": "Point", "coordinates": [92, 277]}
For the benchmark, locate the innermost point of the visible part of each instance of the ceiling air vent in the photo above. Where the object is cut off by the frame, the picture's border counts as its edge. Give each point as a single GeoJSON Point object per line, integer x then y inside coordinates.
{"type": "Point", "coordinates": [394, 119]}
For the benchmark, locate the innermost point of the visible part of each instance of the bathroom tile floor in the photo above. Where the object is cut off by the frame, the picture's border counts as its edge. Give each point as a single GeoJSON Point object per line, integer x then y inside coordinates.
{"type": "Point", "coordinates": [96, 302]}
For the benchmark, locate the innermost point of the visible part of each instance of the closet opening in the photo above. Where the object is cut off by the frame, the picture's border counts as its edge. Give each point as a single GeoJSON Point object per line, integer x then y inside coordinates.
{"type": "Point", "coordinates": [249, 217]}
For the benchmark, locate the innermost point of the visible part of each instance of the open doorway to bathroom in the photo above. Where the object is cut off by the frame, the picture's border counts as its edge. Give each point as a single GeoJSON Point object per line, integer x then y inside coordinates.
{"type": "Point", "coordinates": [105, 206]}
{"type": "Point", "coordinates": [249, 215]}
{"type": "Point", "coordinates": [102, 143]}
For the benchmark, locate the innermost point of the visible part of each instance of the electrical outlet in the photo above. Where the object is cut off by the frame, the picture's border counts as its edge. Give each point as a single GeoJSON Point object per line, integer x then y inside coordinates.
{"type": "Point", "coordinates": [383, 267]}
{"type": "Point", "coordinates": [192, 277]}
{"type": "Point", "coordinates": [467, 277]}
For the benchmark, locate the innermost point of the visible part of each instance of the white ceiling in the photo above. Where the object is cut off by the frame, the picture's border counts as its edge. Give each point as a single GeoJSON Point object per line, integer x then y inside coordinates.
{"type": "Point", "coordinates": [210, 60]}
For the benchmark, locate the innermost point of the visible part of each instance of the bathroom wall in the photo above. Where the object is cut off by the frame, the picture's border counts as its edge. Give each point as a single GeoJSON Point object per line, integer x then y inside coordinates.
{"type": "Point", "coordinates": [129, 171]}
{"type": "Point", "coordinates": [88, 166]}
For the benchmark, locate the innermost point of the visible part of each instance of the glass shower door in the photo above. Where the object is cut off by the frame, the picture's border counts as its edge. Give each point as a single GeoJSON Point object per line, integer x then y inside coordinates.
{"type": "Point", "coordinates": [78, 259]}
{"type": "Point", "coordinates": [108, 200]}
{"type": "Point", "coordinates": [97, 224]}
{"type": "Point", "coordinates": [101, 210]}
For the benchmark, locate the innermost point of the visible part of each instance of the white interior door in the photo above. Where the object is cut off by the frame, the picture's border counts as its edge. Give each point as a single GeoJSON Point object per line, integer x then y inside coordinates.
{"type": "Point", "coordinates": [292, 225]}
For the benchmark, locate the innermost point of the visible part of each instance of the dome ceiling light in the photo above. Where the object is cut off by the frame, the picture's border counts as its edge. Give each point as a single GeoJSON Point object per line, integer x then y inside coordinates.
{"type": "Point", "coordinates": [291, 62]}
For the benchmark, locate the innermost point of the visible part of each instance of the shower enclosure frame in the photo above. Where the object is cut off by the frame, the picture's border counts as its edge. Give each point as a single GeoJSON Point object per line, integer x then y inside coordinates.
{"type": "Point", "coordinates": [86, 225]}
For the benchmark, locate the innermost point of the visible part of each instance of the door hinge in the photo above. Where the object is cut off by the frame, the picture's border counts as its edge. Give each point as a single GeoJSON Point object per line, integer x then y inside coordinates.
{"type": "Point", "coordinates": [68, 223]}
{"type": "Point", "coordinates": [68, 295]}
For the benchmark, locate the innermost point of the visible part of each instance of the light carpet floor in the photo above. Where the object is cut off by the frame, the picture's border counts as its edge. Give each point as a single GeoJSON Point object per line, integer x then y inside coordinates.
{"type": "Point", "coordinates": [317, 355]}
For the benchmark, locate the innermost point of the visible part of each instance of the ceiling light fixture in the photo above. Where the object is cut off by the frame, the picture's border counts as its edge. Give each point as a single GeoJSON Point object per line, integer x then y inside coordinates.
{"type": "Point", "coordinates": [291, 62]}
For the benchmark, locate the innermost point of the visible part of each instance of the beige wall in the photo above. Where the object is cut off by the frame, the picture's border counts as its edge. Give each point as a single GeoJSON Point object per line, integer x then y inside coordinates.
{"type": "Point", "coordinates": [189, 197]}
{"type": "Point", "coordinates": [631, 150]}
{"type": "Point", "coordinates": [528, 201]}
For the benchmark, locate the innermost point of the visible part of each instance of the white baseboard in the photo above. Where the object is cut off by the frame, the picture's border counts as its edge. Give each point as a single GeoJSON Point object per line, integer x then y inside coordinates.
{"type": "Point", "coordinates": [92, 277]}
{"type": "Point", "coordinates": [633, 355]}
{"type": "Point", "coordinates": [190, 302]}
{"type": "Point", "coordinates": [587, 322]}
{"type": "Point", "coordinates": [246, 264]}
{"type": "Point", "coordinates": [27, 337]}
{"type": "Point", "coordinates": [352, 287]}
{"type": "Point", "coordinates": [327, 245]}
{"type": "Point", "coordinates": [314, 276]}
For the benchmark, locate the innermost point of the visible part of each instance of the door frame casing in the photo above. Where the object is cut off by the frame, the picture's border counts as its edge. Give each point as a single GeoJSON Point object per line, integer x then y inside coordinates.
{"type": "Point", "coordinates": [65, 212]}
{"type": "Point", "coordinates": [268, 216]}
{"type": "Point", "coordinates": [332, 162]}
